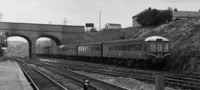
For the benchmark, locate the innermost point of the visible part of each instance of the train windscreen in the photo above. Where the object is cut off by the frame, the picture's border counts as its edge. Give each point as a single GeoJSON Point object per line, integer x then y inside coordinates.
{"type": "Point", "coordinates": [152, 47]}
{"type": "Point", "coordinates": [166, 47]}
{"type": "Point", "coordinates": [159, 47]}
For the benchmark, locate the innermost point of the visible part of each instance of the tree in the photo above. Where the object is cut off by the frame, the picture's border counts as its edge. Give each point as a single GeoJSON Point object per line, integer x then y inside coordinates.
{"type": "Point", "coordinates": [154, 17]}
{"type": "Point", "coordinates": [149, 8]}
{"type": "Point", "coordinates": [169, 8]}
{"type": "Point", "coordinates": [93, 30]}
{"type": "Point", "coordinates": [175, 9]}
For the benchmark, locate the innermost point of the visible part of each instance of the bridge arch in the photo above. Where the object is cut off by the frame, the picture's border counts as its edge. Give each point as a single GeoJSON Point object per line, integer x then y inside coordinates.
{"type": "Point", "coordinates": [55, 39]}
{"type": "Point", "coordinates": [61, 34]}
{"type": "Point", "coordinates": [25, 37]}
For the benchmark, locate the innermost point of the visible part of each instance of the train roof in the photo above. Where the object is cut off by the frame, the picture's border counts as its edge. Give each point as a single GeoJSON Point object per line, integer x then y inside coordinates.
{"type": "Point", "coordinates": [155, 38]}
{"type": "Point", "coordinates": [51, 46]}
{"type": "Point", "coordinates": [62, 46]}
{"type": "Point", "coordinates": [126, 40]}
{"type": "Point", "coordinates": [96, 43]}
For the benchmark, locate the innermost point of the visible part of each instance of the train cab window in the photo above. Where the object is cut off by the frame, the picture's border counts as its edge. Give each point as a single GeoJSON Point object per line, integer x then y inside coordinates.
{"type": "Point", "coordinates": [159, 47]}
{"type": "Point", "coordinates": [166, 47]}
{"type": "Point", "coordinates": [152, 47]}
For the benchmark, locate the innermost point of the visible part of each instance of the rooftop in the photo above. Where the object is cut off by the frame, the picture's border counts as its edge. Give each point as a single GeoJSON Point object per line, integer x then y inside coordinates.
{"type": "Point", "coordinates": [113, 24]}
{"type": "Point", "coordinates": [186, 14]}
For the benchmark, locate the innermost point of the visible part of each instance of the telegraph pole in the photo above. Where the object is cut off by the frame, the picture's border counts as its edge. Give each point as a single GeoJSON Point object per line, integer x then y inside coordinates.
{"type": "Point", "coordinates": [65, 21]}
{"type": "Point", "coordinates": [100, 21]}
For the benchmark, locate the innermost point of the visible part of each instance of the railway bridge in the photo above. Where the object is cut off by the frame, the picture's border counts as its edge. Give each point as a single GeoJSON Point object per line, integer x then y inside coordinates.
{"type": "Point", "coordinates": [61, 34]}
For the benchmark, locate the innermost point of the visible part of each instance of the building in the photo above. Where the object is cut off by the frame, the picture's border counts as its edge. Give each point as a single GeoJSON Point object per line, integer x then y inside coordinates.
{"type": "Point", "coordinates": [185, 14]}
{"type": "Point", "coordinates": [177, 15]}
{"type": "Point", "coordinates": [135, 23]}
{"type": "Point", "coordinates": [110, 26]}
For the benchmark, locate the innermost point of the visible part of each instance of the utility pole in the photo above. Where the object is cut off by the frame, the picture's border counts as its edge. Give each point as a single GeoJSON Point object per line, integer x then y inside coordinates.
{"type": "Point", "coordinates": [100, 21]}
{"type": "Point", "coordinates": [65, 21]}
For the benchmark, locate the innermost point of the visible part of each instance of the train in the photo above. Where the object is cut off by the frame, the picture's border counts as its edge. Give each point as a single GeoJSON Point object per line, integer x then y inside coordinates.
{"type": "Point", "coordinates": [152, 52]}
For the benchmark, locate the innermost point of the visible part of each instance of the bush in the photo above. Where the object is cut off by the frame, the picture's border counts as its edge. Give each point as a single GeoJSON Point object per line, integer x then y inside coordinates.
{"type": "Point", "coordinates": [93, 30]}
{"type": "Point", "coordinates": [154, 17]}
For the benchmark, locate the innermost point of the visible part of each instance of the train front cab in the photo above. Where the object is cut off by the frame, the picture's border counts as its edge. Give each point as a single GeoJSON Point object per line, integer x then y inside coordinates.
{"type": "Point", "coordinates": [158, 52]}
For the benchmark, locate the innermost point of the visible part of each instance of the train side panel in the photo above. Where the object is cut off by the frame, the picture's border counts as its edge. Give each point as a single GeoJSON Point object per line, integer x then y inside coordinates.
{"type": "Point", "coordinates": [53, 50]}
{"type": "Point", "coordinates": [125, 50]}
{"type": "Point", "coordinates": [69, 50]}
{"type": "Point", "coordinates": [93, 50]}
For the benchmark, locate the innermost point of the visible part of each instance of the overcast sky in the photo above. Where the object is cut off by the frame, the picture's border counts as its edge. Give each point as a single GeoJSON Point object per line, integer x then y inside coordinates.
{"type": "Point", "coordinates": [79, 12]}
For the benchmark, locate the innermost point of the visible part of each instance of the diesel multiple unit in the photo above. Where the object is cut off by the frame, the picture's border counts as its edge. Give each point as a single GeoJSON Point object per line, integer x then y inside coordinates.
{"type": "Point", "coordinates": [150, 52]}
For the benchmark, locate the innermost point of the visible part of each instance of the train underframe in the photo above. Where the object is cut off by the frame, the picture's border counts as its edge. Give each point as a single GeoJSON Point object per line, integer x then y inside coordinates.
{"type": "Point", "coordinates": [152, 64]}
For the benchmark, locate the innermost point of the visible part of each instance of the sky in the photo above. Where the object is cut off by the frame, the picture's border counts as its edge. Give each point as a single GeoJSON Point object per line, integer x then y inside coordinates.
{"type": "Point", "coordinates": [17, 38]}
{"type": "Point", "coordinates": [79, 12]}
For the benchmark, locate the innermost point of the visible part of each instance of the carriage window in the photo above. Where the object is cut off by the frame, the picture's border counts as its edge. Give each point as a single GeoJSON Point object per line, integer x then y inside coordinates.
{"type": "Point", "coordinates": [139, 47]}
{"type": "Point", "coordinates": [98, 48]}
{"type": "Point", "coordinates": [166, 47]}
{"type": "Point", "coordinates": [131, 47]}
{"type": "Point", "coordinates": [159, 47]}
{"type": "Point", "coordinates": [152, 47]}
{"type": "Point", "coordinates": [89, 48]}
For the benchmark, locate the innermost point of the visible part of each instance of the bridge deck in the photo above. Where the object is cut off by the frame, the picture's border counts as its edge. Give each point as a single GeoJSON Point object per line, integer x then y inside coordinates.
{"type": "Point", "coordinates": [12, 78]}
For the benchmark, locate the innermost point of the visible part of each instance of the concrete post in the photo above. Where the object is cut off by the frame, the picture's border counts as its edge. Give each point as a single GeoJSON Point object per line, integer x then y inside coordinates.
{"type": "Point", "coordinates": [194, 63]}
{"type": "Point", "coordinates": [159, 81]}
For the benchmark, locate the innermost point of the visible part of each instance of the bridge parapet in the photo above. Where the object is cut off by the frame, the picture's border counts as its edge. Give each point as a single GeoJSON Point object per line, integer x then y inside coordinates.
{"type": "Point", "coordinates": [40, 27]}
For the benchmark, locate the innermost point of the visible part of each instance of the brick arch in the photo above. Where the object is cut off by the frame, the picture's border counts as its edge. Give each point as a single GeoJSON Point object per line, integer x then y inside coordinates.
{"type": "Point", "coordinates": [25, 37]}
{"type": "Point", "coordinates": [55, 39]}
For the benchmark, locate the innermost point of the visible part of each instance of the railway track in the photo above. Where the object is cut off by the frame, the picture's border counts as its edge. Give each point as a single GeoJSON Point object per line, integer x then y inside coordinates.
{"type": "Point", "coordinates": [78, 78]}
{"type": "Point", "coordinates": [171, 79]}
{"type": "Point", "coordinates": [39, 80]}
